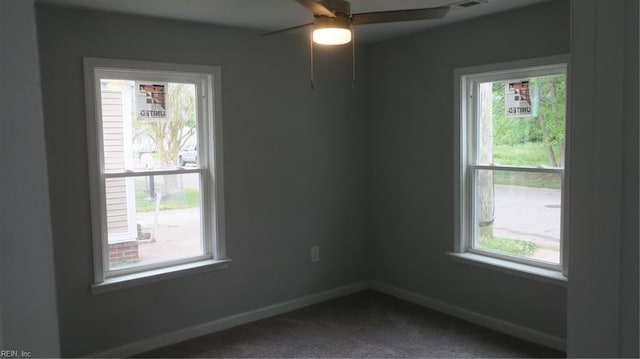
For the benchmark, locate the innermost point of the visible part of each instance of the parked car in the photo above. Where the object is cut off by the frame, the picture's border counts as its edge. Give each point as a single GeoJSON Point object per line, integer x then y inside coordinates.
{"type": "Point", "coordinates": [188, 154]}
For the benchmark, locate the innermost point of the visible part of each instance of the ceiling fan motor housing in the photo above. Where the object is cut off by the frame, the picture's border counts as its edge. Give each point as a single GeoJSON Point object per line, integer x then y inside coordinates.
{"type": "Point", "coordinates": [339, 7]}
{"type": "Point", "coordinates": [323, 22]}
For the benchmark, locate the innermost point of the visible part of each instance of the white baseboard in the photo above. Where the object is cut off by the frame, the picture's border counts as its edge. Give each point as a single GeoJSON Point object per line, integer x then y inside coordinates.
{"type": "Point", "coordinates": [283, 307]}
{"type": "Point", "coordinates": [229, 322]}
{"type": "Point", "coordinates": [474, 317]}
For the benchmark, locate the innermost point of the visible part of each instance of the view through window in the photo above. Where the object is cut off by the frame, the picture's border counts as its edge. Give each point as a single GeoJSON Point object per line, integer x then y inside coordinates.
{"type": "Point", "coordinates": [516, 154]}
{"type": "Point", "coordinates": [155, 199]}
{"type": "Point", "coordinates": [150, 217]}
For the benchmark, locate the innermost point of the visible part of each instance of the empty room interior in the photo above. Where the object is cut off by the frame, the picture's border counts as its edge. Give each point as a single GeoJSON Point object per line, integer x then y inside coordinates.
{"type": "Point", "coordinates": [177, 179]}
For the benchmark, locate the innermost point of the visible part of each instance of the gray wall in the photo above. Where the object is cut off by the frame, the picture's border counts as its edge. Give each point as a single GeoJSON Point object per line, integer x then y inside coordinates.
{"type": "Point", "coordinates": [410, 162]}
{"type": "Point", "coordinates": [304, 168]}
{"type": "Point", "coordinates": [27, 295]}
{"type": "Point", "coordinates": [629, 345]}
{"type": "Point", "coordinates": [603, 289]}
{"type": "Point", "coordinates": [293, 173]}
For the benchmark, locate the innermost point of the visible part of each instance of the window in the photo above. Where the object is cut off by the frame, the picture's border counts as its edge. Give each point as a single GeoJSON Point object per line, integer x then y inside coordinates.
{"type": "Point", "coordinates": [510, 155]}
{"type": "Point", "coordinates": [154, 136]}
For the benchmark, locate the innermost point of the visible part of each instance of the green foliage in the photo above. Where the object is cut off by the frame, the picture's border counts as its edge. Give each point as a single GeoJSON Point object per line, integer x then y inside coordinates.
{"type": "Point", "coordinates": [546, 128]}
{"type": "Point", "coordinates": [552, 91]}
{"type": "Point", "coordinates": [511, 246]}
{"type": "Point", "coordinates": [530, 154]}
{"type": "Point", "coordinates": [522, 154]}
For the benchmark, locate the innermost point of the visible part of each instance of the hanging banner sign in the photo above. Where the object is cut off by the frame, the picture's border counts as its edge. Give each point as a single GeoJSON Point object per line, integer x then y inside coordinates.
{"type": "Point", "coordinates": [151, 101]}
{"type": "Point", "coordinates": [517, 99]}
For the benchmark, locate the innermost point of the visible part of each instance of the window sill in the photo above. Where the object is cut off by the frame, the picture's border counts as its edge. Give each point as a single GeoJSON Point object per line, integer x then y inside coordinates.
{"type": "Point", "coordinates": [522, 270]}
{"type": "Point", "coordinates": [157, 275]}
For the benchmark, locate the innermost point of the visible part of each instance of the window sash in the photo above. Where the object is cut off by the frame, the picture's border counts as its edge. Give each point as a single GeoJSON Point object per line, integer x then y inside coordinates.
{"type": "Point", "coordinates": [473, 218]}
{"type": "Point", "coordinates": [207, 82]}
{"type": "Point", "coordinates": [153, 266]}
{"type": "Point", "coordinates": [556, 170]}
{"type": "Point", "coordinates": [521, 260]}
{"type": "Point", "coordinates": [144, 173]}
{"type": "Point", "coordinates": [468, 83]}
{"type": "Point", "coordinates": [472, 197]}
{"type": "Point", "coordinates": [206, 239]}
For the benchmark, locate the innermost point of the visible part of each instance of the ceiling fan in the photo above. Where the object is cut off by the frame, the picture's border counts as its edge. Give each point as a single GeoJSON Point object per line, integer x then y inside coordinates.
{"type": "Point", "coordinates": [333, 21]}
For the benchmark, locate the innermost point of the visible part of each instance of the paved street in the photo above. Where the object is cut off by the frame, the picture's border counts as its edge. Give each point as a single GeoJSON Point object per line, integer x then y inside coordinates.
{"type": "Point", "coordinates": [528, 213]}
{"type": "Point", "coordinates": [531, 214]}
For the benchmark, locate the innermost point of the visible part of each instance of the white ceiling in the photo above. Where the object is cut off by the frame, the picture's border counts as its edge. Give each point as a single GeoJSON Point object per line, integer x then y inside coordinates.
{"type": "Point", "coordinates": [270, 15]}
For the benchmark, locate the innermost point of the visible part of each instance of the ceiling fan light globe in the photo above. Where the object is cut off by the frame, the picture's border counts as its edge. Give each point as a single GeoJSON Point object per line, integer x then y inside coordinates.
{"type": "Point", "coordinates": [332, 36]}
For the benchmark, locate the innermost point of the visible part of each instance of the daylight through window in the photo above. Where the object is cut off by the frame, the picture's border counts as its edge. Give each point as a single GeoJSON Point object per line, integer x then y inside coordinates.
{"type": "Point", "coordinates": [156, 199]}
{"type": "Point", "coordinates": [512, 158]}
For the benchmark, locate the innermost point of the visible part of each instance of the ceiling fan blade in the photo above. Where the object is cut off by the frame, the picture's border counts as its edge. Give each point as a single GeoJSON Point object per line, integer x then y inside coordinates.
{"type": "Point", "coordinates": [316, 7]}
{"type": "Point", "coordinates": [399, 15]}
{"type": "Point", "coordinates": [287, 29]}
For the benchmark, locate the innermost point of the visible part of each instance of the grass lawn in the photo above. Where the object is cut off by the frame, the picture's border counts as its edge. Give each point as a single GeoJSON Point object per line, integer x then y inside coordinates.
{"type": "Point", "coordinates": [525, 154]}
{"type": "Point", "coordinates": [516, 247]}
{"type": "Point", "coordinates": [188, 198]}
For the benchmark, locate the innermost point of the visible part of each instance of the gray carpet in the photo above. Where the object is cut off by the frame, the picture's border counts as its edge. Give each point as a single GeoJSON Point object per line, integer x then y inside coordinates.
{"type": "Point", "coordinates": [368, 324]}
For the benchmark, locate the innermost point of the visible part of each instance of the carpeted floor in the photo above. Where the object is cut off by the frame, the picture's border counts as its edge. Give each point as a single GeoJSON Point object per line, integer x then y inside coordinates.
{"type": "Point", "coordinates": [368, 324]}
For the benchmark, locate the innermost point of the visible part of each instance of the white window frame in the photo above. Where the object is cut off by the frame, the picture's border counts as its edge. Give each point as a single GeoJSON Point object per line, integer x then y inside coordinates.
{"type": "Point", "coordinates": [466, 82]}
{"type": "Point", "coordinates": [207, 80]}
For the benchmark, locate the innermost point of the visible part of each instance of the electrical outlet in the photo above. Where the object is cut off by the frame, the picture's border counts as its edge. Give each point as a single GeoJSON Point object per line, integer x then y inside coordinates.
{"type": "Point", "coordinates": [315, 254]}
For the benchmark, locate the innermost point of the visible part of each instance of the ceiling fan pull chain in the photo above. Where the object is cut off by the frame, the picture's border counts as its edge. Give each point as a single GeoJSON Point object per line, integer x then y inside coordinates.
{"type": "Point", "coordinates": [353, 55]}
{"type": "Point", "coordinates": [311, 56]}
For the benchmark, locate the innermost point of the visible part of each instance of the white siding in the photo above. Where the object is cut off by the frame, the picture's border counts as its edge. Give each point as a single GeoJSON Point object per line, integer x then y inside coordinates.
{"type": "Point", "coordinates": [114, 159]}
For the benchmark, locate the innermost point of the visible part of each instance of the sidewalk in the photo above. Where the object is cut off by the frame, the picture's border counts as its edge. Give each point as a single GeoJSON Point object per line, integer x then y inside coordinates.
{"type": "Point", "coordinates": [177, 235]}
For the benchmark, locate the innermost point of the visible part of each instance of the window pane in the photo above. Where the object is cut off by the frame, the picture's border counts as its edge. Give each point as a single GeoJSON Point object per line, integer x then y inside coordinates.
{"type": "Point", "coordinates": [522, 122]}
{"type": "Point", "coordinates": [153, 219]}
{"type": "Point", "coordinates": [148, 125]}
{"type": "Point", "coordinates": [518, 214]}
